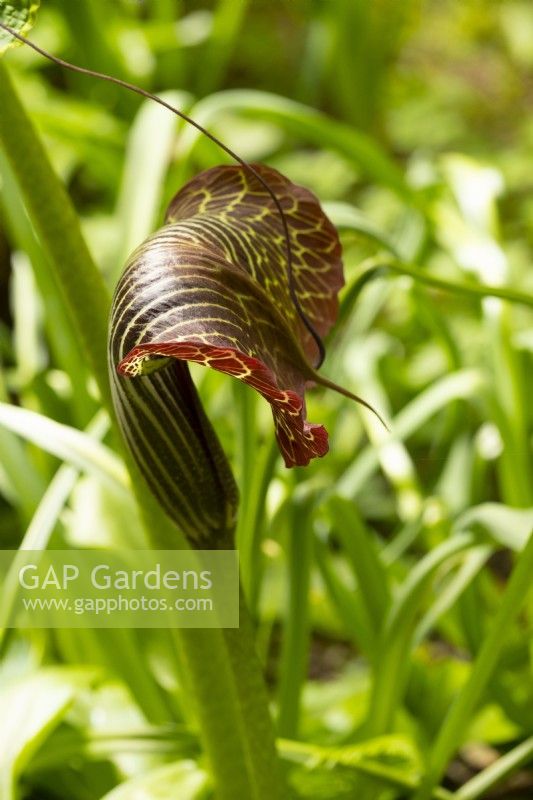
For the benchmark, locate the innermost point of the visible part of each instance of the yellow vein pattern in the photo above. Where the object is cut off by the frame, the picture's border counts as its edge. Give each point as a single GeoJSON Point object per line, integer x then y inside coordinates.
{"type": "Point", "coordinates": [211, 286]}
{"type": "Point", "coordinates": [226, 208]}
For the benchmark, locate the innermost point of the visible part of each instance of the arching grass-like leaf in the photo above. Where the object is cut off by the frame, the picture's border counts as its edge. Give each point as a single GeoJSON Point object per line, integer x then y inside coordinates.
{"type": "Point", "coordinates": [65, 443]}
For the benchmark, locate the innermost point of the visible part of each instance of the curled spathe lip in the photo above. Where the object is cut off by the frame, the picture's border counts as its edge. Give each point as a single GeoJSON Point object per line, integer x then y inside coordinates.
{"type": "Point", "coordinates": [211, 286]}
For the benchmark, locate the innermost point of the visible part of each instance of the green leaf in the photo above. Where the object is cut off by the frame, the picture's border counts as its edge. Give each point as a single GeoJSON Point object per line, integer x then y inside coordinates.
{"type": "Point", "coordinates": [397, 640]}
{"type": "Point", "coordinates": [184, 779]}
{"type": "Point", "coordinates": [66, 443]}
{"type": "Point", "coordinates": [348, 604]}
{"type": "Point", "coordinates": [347, 217]}
{"type": "Point", "coordinates": [23, 484]}
{"type": "Point", "coordinates": [464, 384]}
{"type": "Point", "coordinates": [495, 773]}
{"type": "Point", "coordinates": [304, 122]}
{"type": "Point", "coordinates": [364, 557]}
{"type": "Point", "coordinates": [19, 15]}
{"type": "Point", "coordinates": [486, 662]}
{"type": "Point", "coordinates": [507, 526]}
{"type": "Point", "coordinates": [391, 760]}
{"type": "Point", "coordinates": [30, 709]}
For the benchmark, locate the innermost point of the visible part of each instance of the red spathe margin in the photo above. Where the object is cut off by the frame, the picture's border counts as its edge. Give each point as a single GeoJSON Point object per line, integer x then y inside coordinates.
{"type": "Point", "coordinates": [299, 441]}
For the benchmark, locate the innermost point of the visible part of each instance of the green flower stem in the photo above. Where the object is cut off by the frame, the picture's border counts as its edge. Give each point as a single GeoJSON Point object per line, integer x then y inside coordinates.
{"type": "Point", "coordinates": [203, 653]}
{"type": "Point", "coordinates": [259, 739]}
{"type": "Point", "coordinates": [460, 714]}
{"type": "Point", "coordinates": [232, 705]}
{"type": "Point", "coordinates": [234, 724]}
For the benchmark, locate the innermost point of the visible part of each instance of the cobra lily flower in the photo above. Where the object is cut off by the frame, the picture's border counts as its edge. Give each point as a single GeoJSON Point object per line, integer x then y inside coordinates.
{"type": "Point", "coordinates": [212, 286]}
{"type": "Point", "coordinates": [242, 277]}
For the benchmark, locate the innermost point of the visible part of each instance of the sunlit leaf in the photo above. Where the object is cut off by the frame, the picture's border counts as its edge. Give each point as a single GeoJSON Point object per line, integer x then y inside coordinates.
{"type": "Point", "coordinates": [30, 709]}
{"type": "Point", "coordinates": [507, 526]}
{"type": "Point", "coordinates": [391, 760]}
{"type": "Point", "coordinates": [19, 15]}
{"type": "Point", "coordinates": [306, 123]}
{"type": "Point", "coordinates": [67, 443]}
{"type": "Point", "coordinates": [184, 780]}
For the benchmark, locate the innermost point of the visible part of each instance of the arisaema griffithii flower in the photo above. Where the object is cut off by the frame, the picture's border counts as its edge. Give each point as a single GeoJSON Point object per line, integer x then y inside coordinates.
{"type": "Point", "coordinates": [212, 286]}
{"type": "Point", "coordinates": [243, 277]}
